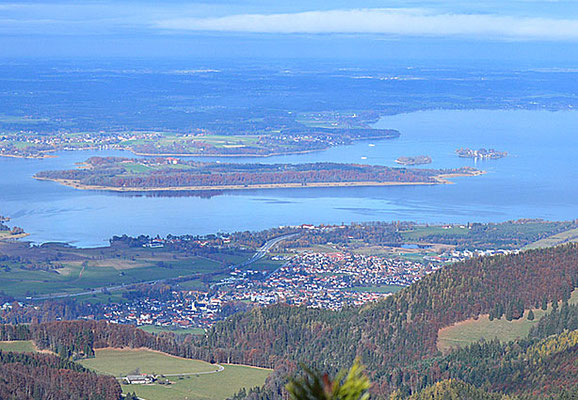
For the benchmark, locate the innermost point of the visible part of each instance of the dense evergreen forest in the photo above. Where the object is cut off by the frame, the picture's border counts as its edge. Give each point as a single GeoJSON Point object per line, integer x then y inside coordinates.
{"type": "Point", "coordinates": [395, 338]}
{"type": "Point", "coordinates": [452, 389]}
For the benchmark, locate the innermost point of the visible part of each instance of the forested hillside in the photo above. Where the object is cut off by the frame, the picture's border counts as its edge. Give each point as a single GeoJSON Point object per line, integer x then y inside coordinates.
{"type": "Point", "coordinates": [395, 338]}
{"type": "Point", "coordinates": [26, 376]}
{"type": "Point", "coordinates": [402, 328]}
{"type": "Point", "coordinates": [452, 389]}
{"type": "Point", "coordinates": [540, 366]}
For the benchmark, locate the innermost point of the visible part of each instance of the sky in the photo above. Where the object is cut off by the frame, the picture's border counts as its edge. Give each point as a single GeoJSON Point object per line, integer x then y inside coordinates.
{"type": "Point", "coordinates": [539, 30]}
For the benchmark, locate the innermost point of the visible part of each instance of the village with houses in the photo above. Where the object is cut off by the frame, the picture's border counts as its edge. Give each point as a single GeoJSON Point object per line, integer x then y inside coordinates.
{"type": "Point", "coordinates": [316, 280]}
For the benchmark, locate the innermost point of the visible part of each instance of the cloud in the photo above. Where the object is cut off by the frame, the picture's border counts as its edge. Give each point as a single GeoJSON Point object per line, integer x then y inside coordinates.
{"type": "Point", "coordinates": [68, 17]}
{"type": "Point", "coordinates": [402, 22]}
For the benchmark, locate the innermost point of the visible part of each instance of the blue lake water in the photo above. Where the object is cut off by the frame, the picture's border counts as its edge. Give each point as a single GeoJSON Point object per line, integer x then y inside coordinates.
{"type": "Point", "coordinates": [539, 179]}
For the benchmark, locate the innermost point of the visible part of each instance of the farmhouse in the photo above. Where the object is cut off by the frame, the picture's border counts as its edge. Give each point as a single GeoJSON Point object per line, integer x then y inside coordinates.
{"type": "Point", "coordinates": [138, 379]}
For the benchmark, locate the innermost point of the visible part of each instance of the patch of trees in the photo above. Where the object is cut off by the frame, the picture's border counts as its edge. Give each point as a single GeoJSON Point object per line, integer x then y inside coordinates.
{"type": "Point", "coordinates": [49, 310]}
{"type": "Point", "coordinates": [78, 339]}
{"type": "Point", "coordinates": [159, 291]}
{"type": "Point", "coordinates": [16, 230]}
{"type": "Point", "coordinates": [34, 376]}
{"type": "Point", "coordinates": [452, 389]}
{"type": "Point", "coordinates": [7, 262]}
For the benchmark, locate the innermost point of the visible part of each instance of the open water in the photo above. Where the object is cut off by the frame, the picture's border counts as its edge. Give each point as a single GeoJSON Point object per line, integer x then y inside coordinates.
{"type": "Point", "coordinates": [539, 179]}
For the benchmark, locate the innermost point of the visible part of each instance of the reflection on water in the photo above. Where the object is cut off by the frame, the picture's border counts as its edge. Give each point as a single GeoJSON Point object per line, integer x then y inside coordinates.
{"type": "Point", "coordinates": [536, 180]}
{"type": "Point", "coordinates": [203, 194]}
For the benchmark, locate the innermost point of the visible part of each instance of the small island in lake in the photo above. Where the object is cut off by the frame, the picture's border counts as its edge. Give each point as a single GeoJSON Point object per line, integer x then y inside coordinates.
{"type": "Point", "coordinates": [484, 154]}
{"type": "Point", "coordinates": [172, 174]}
{"type": "Point", "coordinates": [417, 160]}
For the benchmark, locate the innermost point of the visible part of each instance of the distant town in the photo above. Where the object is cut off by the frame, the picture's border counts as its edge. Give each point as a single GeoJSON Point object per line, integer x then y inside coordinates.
{"type": "Point", "coordinates": [318, 266]}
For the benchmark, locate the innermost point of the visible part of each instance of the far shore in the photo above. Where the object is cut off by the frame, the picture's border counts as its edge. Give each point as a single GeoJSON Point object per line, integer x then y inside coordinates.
{"type": "Point", "coordinates": [136, 153]}
{"type": "Point", "coordinates": [439, 179]}
{"type": "Point", "coordinates": [270, 154]}
{"type": "Point", "coordinates": [46, 153]}
{"type": "Point", "coordinates": [34, 157]}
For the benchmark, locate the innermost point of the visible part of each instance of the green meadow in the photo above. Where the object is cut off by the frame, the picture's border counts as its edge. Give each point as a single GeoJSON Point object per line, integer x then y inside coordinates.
{"type": "Point", "coordinates": [472, 330]}
{"type": "Point", "coordinates": [20, 346]}
{"type": "Point", "coordinates": [73, 276]}
{"type": "Point", "coordinates": [214, 386]}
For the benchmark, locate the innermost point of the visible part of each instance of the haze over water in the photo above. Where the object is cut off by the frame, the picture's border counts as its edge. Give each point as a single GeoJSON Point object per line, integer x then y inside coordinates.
{"type": "Point", "coordinates": [534, 181]}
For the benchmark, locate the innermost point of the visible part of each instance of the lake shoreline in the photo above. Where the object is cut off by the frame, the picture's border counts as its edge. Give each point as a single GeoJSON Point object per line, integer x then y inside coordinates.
{"type": "Point", "coordinates": [37, 157]}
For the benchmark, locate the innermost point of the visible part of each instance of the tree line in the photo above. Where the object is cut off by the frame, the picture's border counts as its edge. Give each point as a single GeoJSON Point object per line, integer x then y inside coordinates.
{"type": "Point", "coordinates": [32, 376]}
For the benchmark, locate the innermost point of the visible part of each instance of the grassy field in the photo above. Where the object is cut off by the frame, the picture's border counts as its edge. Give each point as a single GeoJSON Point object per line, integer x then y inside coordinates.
{"type": "Point", "coordinates": [123, 362]}
{"type": "Point", "coordinates": [470, 331]}
{"type": "Point", "coordinates": [415, 255]}
{"type": "Point", "coordinates": [20, 346]}
{"type": "Point", "coordinates": [563, 237]}
{"type": "Point", "coordinates": [103, 298]}
{"type": "Point", "coordinates": [17, 119]}
{"type": "Point", "coordinates": [217, 386]}
{"type": "Point", "coordinates": [338, 120]}
{"type": "Point", "coordinates": [109, 271]}
{"type": "Point", "coordinates": [138, 168]}
{"type": "Point", "coordinates": [503, 234]}
{"type": "Point", "coordinates": [421, 232]}
{"type": "Point", "coordinates": [180, 331]}
{"type": "Point", "coordinates": [229, 141]}
{"type": "Point", "coordinates": [378, 289]}
{"type": "Point", "coordinates": [265, 264]}
{"type": "Point", "coordinates": [168, 140]}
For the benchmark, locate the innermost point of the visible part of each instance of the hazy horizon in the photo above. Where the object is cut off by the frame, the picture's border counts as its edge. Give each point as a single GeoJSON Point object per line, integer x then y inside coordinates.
{"type": "Point", "coordinates": [523, 32]}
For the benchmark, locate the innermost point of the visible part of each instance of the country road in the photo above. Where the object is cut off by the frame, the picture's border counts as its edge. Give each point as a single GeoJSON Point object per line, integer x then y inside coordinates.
{"type": "Point", "coordinates": [220, 368]}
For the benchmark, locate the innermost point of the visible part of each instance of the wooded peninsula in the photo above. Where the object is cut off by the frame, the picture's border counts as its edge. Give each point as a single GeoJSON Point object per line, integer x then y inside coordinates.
{"type": "Point", "coordinates": [171, 174]}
